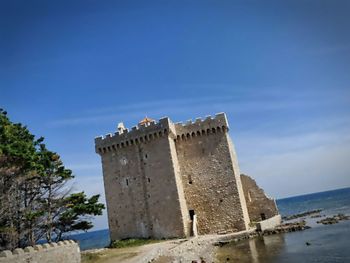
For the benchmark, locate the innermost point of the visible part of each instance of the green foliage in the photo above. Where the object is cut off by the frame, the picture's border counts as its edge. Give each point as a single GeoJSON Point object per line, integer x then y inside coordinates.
{"type": "Point", "coordinates": [78, 210]}
{"type": "Point", "coordinates": [131, 242]}
{"type": "Point", "coordinates": [35, 200]}
{"type": "Point", "coordinates": [90, 257]}
{"type": "Point", "coordinates": [17, 143]}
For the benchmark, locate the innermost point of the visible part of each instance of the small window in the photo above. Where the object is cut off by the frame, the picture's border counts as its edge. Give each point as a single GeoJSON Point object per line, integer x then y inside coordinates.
{"type": "Point", "coordinates": [190, 179]}
{"type": "Point", "coordinates": [149, 180]}
{"type": "Point", "coordinates": [263, 216]}
{"type": "Point", "coordinates": [127, 182]}
{"type": "Point", "coordinates": [191, 212]}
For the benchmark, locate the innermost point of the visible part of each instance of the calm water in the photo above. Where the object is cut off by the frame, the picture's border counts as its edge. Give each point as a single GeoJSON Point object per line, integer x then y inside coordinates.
{"type": "Point", "coordinates": [329, 243]}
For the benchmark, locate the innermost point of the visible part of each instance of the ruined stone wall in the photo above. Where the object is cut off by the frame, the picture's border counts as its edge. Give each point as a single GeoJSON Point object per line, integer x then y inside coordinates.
{"type": "Point", "coordinates": [208, 175]}
{"type": "Point", "coordinates": [259, 205]}
{"type": "Point", "coordinates": [61, 252]}
{"type": "Point", "coordinates": [141, 185]}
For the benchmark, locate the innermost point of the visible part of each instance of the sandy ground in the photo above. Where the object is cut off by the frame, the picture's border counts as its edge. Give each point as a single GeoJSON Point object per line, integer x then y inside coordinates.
{"type": "Point", "coordinates": [196, 249]}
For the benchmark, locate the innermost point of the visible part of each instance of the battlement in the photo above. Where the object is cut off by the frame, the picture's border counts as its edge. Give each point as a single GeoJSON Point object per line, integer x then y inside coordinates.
{"type": "Point", "coordinates": [210, 125]}
{"type": "Point", "coordinates": [137, 134]}
{"type": "Point", "coordinates": [153, 130]}
{"type": "Point", "coordinates": [63, 251]}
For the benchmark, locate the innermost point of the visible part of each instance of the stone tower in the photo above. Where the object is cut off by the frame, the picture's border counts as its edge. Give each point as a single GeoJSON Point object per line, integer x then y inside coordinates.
{"type": "Point", "coordinates": [165, 179]}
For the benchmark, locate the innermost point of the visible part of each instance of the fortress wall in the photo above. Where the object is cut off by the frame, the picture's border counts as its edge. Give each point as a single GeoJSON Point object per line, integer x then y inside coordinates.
{"type": "Point", "coordinates": [208, 175]}
{"type": "Point", "coordinates": [179, 185]}
{"type": "Point", "coordinates": [140, 185]}
{"type": "Point", "coordinates": [66, 251]}
{"type": "Point", "coordinates": [237, 174]}
{"type": "Point", "coordinates": [259, 205]}
{"type": "Point", "coordinates": [156, 173]}
{"type": "Point", "coordinates": [124, 189]}
{"type": "Point", "coordinates": [162, 193]}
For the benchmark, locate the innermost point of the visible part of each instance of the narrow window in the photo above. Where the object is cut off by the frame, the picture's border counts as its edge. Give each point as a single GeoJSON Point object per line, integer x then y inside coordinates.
{"type": "Point", "coordinates": [191, 214]}
{"type": "Point", "coordinates": [190, 179]}
{"type": "Point", "coordinates": [149, 180]}
{"type": "Point", "coordinates": [263, 217]}
{"type": "Point", "coordinates": [127, 182]}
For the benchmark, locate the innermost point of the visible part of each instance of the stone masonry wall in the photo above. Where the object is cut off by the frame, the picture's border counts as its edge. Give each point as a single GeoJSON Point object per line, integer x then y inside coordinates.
{"type": "Point", "coordinates": [61, 252]}
{"type": "Point", "coordinates": [141, 185]}
{"type": "Point", "coordinates": [158, 174]}
{"type": "Point", "coordinates": [260, 207]}
{"type": "Point", "coordinates": [208, 176]}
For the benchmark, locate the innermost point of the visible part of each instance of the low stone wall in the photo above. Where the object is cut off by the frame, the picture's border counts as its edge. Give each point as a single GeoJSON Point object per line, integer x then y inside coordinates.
{"type": "Point", "coordinates": [62, 252]}
{"type": "Point", "coordinates": [270, 223]}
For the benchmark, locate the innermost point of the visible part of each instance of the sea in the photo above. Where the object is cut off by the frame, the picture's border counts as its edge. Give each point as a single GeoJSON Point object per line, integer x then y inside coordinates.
{"type": "Point", "coordinates": [320, 243]}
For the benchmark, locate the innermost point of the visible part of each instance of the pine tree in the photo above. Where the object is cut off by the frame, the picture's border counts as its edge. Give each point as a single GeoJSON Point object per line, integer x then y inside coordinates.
{"type": "Point", "coordinates": [35, 198]}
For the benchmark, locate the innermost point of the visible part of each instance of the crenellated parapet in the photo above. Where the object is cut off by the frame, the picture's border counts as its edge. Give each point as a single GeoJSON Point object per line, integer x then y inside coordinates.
{"type": "Point", "coordinates": [138, 134]}
{"type": "Point", "coordinates": [63, 251]}
{"type": "Point", "coordinates": [153, 130]}
{"type": "Point", "coordinates": [199, 127]}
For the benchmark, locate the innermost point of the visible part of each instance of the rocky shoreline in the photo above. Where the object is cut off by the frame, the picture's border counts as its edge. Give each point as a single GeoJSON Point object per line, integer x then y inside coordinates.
{"type": "Point", "coordinates": [204, 248]}
{"type": "Point", "coordinates": [283, 228]}
{"type": "Point", "coordinates": [334, 219]}
{"type": "Point", "coordinates": [304, 214]}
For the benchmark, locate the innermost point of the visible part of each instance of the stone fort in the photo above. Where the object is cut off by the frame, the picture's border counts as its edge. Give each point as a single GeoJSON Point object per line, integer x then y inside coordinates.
{"type": "Point", "coordinates": [165, 179]}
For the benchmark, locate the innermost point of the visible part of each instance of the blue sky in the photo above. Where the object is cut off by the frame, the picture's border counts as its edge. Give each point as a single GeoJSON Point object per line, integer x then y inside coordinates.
{"type": "Point", "coordinates": [71, 70]}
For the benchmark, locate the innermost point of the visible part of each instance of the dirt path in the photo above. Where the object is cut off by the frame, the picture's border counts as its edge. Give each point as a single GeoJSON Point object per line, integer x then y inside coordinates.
{"type": "Point", "coordinates": [196, 249]}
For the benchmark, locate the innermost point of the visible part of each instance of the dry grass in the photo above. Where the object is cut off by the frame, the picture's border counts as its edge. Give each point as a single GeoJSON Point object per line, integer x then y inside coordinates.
{"type": "Point", "coordinates": [108, 256]}
{"type": "Point", "coordinates": [119, 251]}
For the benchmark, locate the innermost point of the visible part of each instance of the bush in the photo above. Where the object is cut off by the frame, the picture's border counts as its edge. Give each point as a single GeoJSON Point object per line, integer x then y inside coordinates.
{"type": "Point", "coordinates": [131, 242]}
